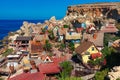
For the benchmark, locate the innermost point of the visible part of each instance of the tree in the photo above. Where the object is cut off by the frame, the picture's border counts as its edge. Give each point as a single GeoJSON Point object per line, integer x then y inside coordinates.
{"type": "Point", "coordinates": [62, 46]}
{"type": "Point", "coordinates": [100, 75]}
{"type": "Point", "coordinates": [71, 46]}
{"type": "Point", "coordinates": [108, 37]}
{"type": "Point", "coordinates": [106, 51]}
{"type": "Point", "coordinates": [112, 57]}
{"type": "Point", "coordinates": [97, 61]}
{"type": "Point", "coordinates": [51, 35]}
{"type": "Point", "coordinates": [47, 46]}
{"type": "Point", "coordinates": [66, 70]}
{"type": "Point", "coordinates": [66, 26]}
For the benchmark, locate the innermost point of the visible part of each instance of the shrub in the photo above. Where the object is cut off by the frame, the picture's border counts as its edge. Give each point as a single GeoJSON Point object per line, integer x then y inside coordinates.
{"type": "Point", "coordinates": [100, 75]}
{"type": "Point", "coordinates": [7, 52]}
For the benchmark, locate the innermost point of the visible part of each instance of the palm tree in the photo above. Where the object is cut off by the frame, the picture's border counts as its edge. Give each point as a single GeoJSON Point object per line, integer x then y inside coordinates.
{"type": "Point", "coordinates": [66, 68]}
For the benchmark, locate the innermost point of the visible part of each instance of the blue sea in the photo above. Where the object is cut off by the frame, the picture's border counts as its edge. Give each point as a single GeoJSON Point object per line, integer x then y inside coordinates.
{"type": "Point", "coordinates": [7, 26]}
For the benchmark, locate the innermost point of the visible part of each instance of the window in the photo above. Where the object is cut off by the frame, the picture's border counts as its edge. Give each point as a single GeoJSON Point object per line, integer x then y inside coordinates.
{"type": "Point", "coordinates": [47, 60]}
{"type": "Point", "coordinates": [93, 49]}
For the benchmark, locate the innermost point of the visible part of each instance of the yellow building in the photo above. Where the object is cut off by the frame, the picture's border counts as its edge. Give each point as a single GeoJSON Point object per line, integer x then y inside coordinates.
{"type": "Point", "coordinates": [87, 50]}
{"type": "Point", "coordinates": [73, 37]}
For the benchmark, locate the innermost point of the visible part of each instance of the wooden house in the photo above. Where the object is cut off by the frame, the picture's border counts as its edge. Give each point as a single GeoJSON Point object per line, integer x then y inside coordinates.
{"type": "Point", "coordinates": [86, 51]}
{"type": "Point", "coordinates": [96, 38]}
{"type": "Point", "coordinates": [74, 37]}
{"type": "Point", "coordinates": [36, 49]}
{"type": "Point", "coordinates": [14, 60]}
{"type": "Point", "coordinates": [22, 42]}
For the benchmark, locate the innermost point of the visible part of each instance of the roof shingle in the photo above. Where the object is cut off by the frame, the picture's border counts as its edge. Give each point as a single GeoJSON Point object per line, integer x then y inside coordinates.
{"type": "Point", "coordinates": [83, 47]}
{"type": "Point", "coordinates": [23, 38]}
{"type": "Point", "coordinates": [29, 76]}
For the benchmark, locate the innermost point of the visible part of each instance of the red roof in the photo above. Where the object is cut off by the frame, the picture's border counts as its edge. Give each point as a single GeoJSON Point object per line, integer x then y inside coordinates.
{"type": "Point", "coordinates": [46, 68]}
{"type": "Point", "coordinates": [96, 55]}
{"type": "Point", "coordinates": [58, 60]}
{"type": "Point", "coordinates": [109, 29]}
{"type": "Point", "coordinates": [79, 29]}
{"type": "Point", "coordinates": [51, 68]}
{"type": "Point", "coordinates": [29, 76]}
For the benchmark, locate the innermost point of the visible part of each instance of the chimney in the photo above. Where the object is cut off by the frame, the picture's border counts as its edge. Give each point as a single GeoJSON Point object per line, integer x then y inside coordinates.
{"type": "Point", "coordinates": [94, 35]}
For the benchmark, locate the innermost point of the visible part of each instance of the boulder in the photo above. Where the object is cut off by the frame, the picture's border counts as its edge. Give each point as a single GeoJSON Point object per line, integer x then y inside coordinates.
{"type": "Point", "coordinates": [52, 19]}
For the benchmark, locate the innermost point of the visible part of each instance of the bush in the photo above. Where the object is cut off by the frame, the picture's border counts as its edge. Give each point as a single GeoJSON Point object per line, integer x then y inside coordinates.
{"type": "Point", "coordinates": [97, 61]}
{"type": "Point", "coordinates": [118, 79]}
{"type": "Point", "coordinates": [66, 26]}
{"type": "Point", "coordinates": [72, 78]}
{"type": "Point", "coordinates": [7, 52]}
{"type": "Point", "coordinates": [100, 75]}
{"type": "Point", "coordinates": [47, 45]}
{"type": "Point", "coordinates": [66, 70]}
{"type": "Point", "coordinates": [62, 46]}
{"type": "Point", "coordinates": [71, 46]}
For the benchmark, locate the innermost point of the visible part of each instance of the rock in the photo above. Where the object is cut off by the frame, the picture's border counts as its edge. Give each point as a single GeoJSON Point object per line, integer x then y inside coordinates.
{"type": "Point", "coordinates": [19, 31]}
{"type": "Point", "coordinates": [115, 73]}
{"type": "Point", "coordinates": [25, 23]}
{"type": "Point", "coordinates": [52, 19]}
{"type": "Point", "coordinates": [39, 23]}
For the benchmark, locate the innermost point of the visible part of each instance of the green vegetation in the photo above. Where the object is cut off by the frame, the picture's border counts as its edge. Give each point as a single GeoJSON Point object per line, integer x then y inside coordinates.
{"type": "Point", "coordinates": [47, 45]}
{"type": "Point", "coordinates": [113, 60]}
{"type": "Point", "coordinates": [108, 51]}
{"type": "Point", "coordinates": [71, 78]}
{"type": "Point", "coordinates": [1, 79]}
{"type": "Point", "coordinates": [71, 46]}
{"type": "Point", "coordinates": [7, 52]}
{"type": "Point", "coordinates": [66, 70]}
{"type": "Point", "coordinates": [97, 61]}
{"type": "Point", "coordinates": [118, 79]}
{"type": "Point", "coordinates": [66, 26]}
{"type": "Point", "coordinates": [50, 54]}
{"type": "Point", "coordinates": [62, 46]}
{"type": "Point", "coordinates": [51, 35]}
{"type": "Point", "coordinates": [100, 75]}
{"type": "Point", "coordinates": [108, 37]}
{"type": "Point", "coordinates": [43, 30]}
{"type": "Point", "coordinates": [112, 57]}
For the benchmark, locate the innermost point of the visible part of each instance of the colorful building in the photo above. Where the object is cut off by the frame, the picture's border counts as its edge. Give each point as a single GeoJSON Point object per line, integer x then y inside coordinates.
{"type": "Point", "coordinates": [87, 50]}
{"type": "Point", "coordinates": [74, 37]}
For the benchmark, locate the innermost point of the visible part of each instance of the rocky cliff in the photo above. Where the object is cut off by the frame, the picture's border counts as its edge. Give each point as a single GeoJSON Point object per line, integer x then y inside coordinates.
{"type": "Point", "coordinates": [106, 10]}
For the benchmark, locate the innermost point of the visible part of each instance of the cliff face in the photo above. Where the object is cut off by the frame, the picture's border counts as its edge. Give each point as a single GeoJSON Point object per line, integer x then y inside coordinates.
{"type": "Point", "coordinates": [98, 10]}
